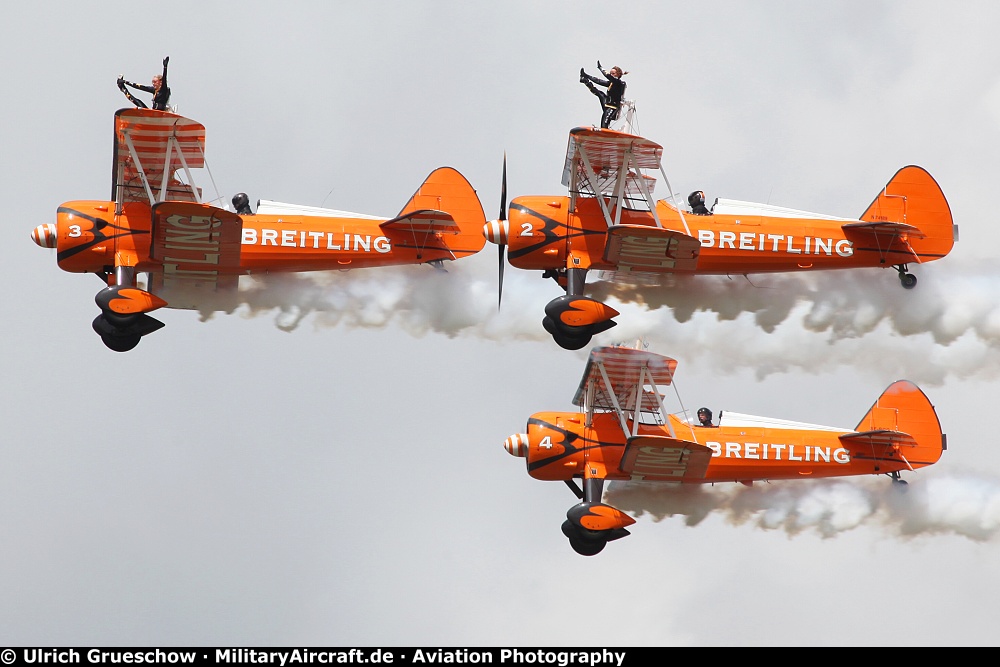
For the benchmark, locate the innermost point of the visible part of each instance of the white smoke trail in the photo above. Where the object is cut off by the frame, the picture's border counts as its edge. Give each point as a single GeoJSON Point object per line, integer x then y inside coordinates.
{"type": "Point", "coordinates": [948, 326]}
{"type": "Point", "coordinates": [963, 505]}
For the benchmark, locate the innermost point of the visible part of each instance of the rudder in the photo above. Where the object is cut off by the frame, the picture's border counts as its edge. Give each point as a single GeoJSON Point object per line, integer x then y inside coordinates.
{"type": "Point", "coordinates": [445, 189]}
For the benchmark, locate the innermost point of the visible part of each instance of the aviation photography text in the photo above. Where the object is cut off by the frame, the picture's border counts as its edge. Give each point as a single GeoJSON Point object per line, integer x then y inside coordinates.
{"type": "Point", "coordinates": [289, 657]}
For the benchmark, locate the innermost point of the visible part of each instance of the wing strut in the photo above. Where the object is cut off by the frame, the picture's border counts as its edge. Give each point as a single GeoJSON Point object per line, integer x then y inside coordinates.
{"type": "Point", "coordinates": [142, 172]}
{"type": "Point", "coordinates": [173, 145]}
{"type": "Point", "coordinates": [613, 397]}
{"type": "Point", "coordinates": [687, 230]}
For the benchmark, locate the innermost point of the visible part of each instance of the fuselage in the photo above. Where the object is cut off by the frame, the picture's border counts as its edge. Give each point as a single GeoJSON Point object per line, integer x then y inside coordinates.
{"type": "Point", "coordinates": [544, 234]}
{"type": "Point", "coordinates": [561, 447]}
{"type": "Point", "coordinates": [90, 238]}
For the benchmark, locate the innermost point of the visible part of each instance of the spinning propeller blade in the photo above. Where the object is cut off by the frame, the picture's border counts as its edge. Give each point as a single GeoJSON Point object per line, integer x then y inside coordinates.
{"type": "Point", "coordinates": [502, 218]}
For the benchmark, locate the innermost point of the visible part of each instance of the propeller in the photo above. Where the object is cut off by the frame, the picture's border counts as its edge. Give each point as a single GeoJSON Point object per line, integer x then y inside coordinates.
{"type": "Point", "coordinates": [503, 220]}
{"type": "Point", "coordinates": [496, 231]}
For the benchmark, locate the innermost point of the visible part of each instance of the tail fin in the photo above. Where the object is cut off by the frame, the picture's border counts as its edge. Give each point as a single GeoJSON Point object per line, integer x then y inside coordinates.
{"type": "Point", "coordinates": [445, 189]}
{"type": "Point", "coordinates": [913, 197]}
{"type": "Point", "coordinates": [904, 409]}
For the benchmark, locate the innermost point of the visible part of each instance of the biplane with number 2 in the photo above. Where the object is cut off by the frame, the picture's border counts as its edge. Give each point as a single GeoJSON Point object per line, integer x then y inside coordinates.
{"type": "Point", "coordinates": [193, 253]}
{"type": "Point", "coordinates": [625, 433]}
{"type": "Point", "coordinates": [610, 223]}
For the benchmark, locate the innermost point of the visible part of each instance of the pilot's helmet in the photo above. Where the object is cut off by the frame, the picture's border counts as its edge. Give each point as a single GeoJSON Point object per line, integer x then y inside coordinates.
{"type": "Point", "coordinates": [695, 198]}
{"type": "Point", "coordinates": [241, 201]}
{"type": "Point", "coordinates": [704, 412]}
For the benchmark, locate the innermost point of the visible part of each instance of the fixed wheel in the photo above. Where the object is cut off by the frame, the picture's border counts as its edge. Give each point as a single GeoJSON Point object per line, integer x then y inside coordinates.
{"type": "Point", "coordinates": [571, 342]}
{"type": "Point", "coordinates": [565, 341]}
{"type": "Point", "coordinates": [585, 543]}
{"type": "Point", "coordinates": [121, 343]}
{"type": "Point", "coordinates": [908, 280]}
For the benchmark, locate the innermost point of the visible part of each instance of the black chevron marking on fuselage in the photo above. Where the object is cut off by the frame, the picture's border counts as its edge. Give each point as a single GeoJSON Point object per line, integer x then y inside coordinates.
{"type": "Point", "coordinates": [100, 236]}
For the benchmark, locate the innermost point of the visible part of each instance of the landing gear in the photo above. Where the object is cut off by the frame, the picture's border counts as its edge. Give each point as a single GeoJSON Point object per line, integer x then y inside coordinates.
{"type": "Point", "coordinates": [584, 542]}
{"type": "Point", "coordinates": [122, 336]}
{"type": "Point", "coordinates": [907, 280]}
{"type": "Point", "coordinates": [123, 320]}
{"type": "Point", "coordinates": [591, 524]}
{"type": "Point", "coordinates": [574, 319]}
{"type": "Point", "coordinates": [564, 340]}
{"type": "Point", "coordinates": [897, 481]}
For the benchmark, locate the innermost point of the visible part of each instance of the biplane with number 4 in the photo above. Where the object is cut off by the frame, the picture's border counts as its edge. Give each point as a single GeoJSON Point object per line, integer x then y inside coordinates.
{"type": "Point", "coordinates": [193, 253]}
{"type": "Point", "coordinates": [625, 433]}
{"type": "Point", "coordinates": [610, 223]}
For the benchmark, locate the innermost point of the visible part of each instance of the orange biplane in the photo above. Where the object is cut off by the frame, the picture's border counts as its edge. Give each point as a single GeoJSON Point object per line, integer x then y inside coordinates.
{"type": "Point", "coordinates": [611, 223]}
{"type": "Point", "coordinates": [626, 434]}
{"type": "Point", "coordinates": [156, 223]}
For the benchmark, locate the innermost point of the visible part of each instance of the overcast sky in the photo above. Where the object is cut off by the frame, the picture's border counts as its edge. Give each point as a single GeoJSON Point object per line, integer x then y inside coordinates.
{"type": "Point", "coordinates": [325, 465]}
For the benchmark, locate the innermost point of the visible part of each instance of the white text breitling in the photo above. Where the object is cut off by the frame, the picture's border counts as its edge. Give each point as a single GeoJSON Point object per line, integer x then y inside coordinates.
{"type": "Point", "coordinates": [316, 240]}
{"type": "Point", "coordinates": [766, 451]}
{"type": "Point", "coordinates": [764, 242]}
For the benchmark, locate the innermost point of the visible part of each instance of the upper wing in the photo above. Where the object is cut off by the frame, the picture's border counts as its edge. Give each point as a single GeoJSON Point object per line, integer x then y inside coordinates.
{"type": "Point", "coordinates": [626, 370]}
{"type": "Point", "coordinates": [654, 458]}
{"type": "Point", "coordinates": [649, 249]}
{"type": "Point", "coordinates": [605, 151]}
{"type": "Point", "coordinates": [195, 250]}
{"type": "Point", "coordinates": [150, 147]}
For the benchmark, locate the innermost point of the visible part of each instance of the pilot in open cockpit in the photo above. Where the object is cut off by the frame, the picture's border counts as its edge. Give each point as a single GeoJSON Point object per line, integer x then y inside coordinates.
{"type": "Point", "coordinates": [241, 204]}
{"type": "Point", "coordinates": [697, 202]}
{"type": "Point", "coordinates": [705, 418]}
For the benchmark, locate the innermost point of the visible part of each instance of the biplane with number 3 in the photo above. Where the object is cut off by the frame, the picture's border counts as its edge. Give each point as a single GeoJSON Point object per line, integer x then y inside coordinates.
{"type": "Point", "coordinates": [625, 433]}
{"type": "Point", "coordinates": [193, 253]}
{"type": "Point", "coordinates": [611, 224]}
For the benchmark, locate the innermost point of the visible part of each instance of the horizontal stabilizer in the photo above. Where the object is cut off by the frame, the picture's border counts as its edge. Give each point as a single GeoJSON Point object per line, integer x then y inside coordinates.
{"type": "Point", "coordinates": [649, 249]}
{"type": "Point", "coordinates": [887, 229]}
{"type": "Point", "coordinates": [879, 438]}
{"type": "Point", "coordinates": [653, 458]}
{"type": "Point", "coordinates": [426, 221]}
